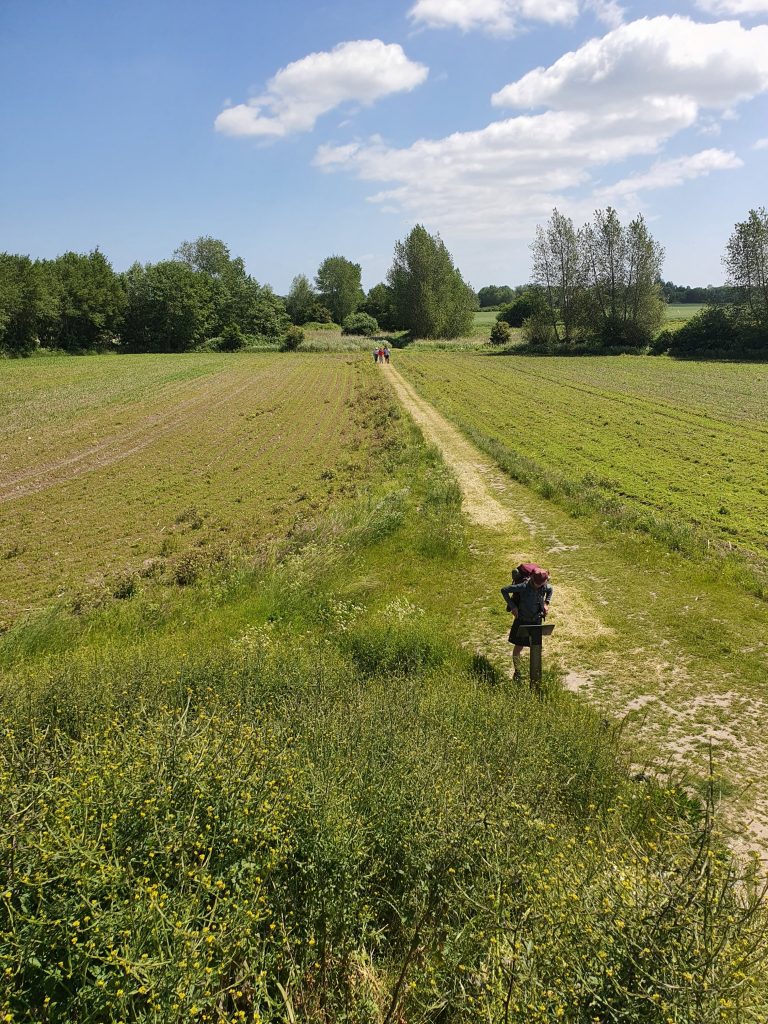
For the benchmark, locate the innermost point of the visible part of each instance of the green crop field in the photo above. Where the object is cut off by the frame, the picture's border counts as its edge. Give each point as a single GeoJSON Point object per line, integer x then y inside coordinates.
{"type": "Point", "coordinates": [683, 310]}
{"type": "Point", "coordinates": [122, 463]}
{"type": "Point", "coordinates": [685, 444]}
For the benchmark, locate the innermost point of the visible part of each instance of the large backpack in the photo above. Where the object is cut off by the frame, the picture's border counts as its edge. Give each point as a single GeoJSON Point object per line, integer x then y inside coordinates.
{"type": "Point", "coordinates": [524, 571]}
{"type": "Point", "coordinates": [520, 574]}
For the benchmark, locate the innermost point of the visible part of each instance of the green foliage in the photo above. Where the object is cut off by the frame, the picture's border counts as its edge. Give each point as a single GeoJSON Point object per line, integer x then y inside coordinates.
{"type": "Point", "coordinates": [495, 295]}
{"type": "Point", "coordinates": [500, 333]}
{"type": "Point", "coordinates": [84, 305]}
{"type": "Point", "coordinates": [235, 297]}
{"type": "Point", "coordinates": [231, 339]}
{"type": "Point", "coordinates": [601, 284]}
{"type": "Point", "coordinates": [746, 260]}
{"type": "Point", "coordinates": [293, 339]}
{"type": "Point", "coordinates": [360, 323]}
{"type": "Point", "coordinates": [169, 307]}
{"type": "Point", "coordinates": [429, 295]}
{"type": "Point", "coordinates": [301, 300]}
{"type": "Point", "coordinates": [22, 299]}
{"type": "Point", "coordinates": [716, 332]}
{"type": "Point", "coordinates": [321, 314]}
{"type": "Point", "coordinates": [338, 285]}
{"type": "Point", "coordinates": [526, 304]}
{"type": "Point", "coordinates": [379, 304]}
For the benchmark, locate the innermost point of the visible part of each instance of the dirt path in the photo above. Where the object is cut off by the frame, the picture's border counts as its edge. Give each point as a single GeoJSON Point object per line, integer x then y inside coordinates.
{"type": "Point", "coordinates": [673, 711]}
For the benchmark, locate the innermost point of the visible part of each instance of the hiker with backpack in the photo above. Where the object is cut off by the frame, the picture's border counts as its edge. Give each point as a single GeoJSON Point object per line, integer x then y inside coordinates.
{"type": "Point", "coordinates": [528, 598]}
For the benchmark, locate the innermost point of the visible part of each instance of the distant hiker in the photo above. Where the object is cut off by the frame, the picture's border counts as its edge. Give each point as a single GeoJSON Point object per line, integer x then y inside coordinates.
{"type": "Point", "coordinates": [375, 355]}
{"type": "Point", "coordinates": [386, 354]}
{"type": "Point", "coordinates": [381, 355]}
{"type": "Point", "coordinates": [528, 598]}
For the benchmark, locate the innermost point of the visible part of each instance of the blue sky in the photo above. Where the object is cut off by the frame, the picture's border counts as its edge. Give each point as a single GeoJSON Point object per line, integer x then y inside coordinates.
{"type": "Point", "coordinates": [298, 130]}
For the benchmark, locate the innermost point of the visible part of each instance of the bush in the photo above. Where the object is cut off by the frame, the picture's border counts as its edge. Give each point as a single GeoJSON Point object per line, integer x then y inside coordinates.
{"type": "Point", "coordinates": [360, 323]}
{"type": "Point", "coordinates": [526, 305]}
{"type": "Point", "coordinates": [293, 339]}
{"type": "Point", "coordinates": [231, 340]}
{"type": "Point", "coordinates": [539, 333]}
{"type": "Point", "coordinates": [500, 333]}
{"type": "Point", "coordinates": [320, 314]}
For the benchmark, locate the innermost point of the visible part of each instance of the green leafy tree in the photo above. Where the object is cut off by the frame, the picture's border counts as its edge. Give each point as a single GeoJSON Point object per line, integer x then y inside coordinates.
{"type": "Point", "coordinates": [169, 307]}
{"type": "Point", "coordinates": [526, 304]}
{"type": "Point", "coordinates": [338, 285]}
{"type": "Point", "coordinates": [300, 300]}
{"type": "Point", "coordinates": [558, 271]}
{"type": "Point", "coordinates": [379, 303]}
{"type": "Point", "coordinates": [430, 297]}
{"type": "Point", "coordinates": [623, 305]}
{"type": "Point", "coordinates": [495, 295]}
{"type": "Point", "coordinates": [236, 298]}
{"type": "Point", "coordinates": [746, 261]}
{"type": "Point", "coordinates": [85, 302]}
{"type": "Point", "coordinates": [22, 299]}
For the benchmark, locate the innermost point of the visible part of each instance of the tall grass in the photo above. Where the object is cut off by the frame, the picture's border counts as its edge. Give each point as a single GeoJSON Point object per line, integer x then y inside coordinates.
{"type": "Point", "coordinates": [295, 796]}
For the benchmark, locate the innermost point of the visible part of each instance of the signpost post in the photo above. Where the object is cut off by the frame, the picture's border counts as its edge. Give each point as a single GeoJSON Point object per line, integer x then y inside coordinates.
{"type": "Point", "coordinates": [534, 634]}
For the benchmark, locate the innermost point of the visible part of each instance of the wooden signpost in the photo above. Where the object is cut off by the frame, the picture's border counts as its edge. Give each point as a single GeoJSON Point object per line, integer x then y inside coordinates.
{"type": "Point", "coordinates": [534, 634]}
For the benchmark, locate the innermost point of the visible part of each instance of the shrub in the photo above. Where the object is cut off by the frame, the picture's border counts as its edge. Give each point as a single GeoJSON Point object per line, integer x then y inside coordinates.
{"type": "Point", "coordinates": [231, 340]}
{"type": "Point", "coordinates": [293, 339]}
{"type": "Point", "coordinates": [539, 333]}
{"type": "Point", "coordinates": [360, 323]}
{"type": "Point", "coordinates": [320, 314]}
{"type": "Point", "coordinates": [526, 305]}
{"type": "Point", "coordinates": [500, 333]}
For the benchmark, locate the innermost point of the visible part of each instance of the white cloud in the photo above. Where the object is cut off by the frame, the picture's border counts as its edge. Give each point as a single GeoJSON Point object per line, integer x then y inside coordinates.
{"type": "Point", "coordinates": [760, 144]}
{"type": "Point", "coordinates": [609, 12]}
{"type": "Point", "coordinates": [360, 72]}
{"type": "Point", "coordinates": [735, 7]}
{"type": "Point", "coordinates": [712, 65]}
{"type": "Point", "coordinates": [668, 173]}
{"type": "Point", "coordinates": [616, 98]}
{"type": "Point", "coordinates": [499, 17]}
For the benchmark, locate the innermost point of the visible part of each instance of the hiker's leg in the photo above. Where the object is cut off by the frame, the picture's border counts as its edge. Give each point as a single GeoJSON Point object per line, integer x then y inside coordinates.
{"type": "Point", "coordinates": [517, 660]}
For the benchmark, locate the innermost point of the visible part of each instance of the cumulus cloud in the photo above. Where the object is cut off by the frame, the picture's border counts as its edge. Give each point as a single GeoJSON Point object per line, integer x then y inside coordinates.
{"type": "Point", "coordinates": [760, 144]}
{"type": "Point", "coordinates": [712, 65]}
{"type": "Point", "coordinates": [668, 173]}
{"type": "Point", "coordinates": [500, 17]}
{"type": "Point", "coordinates": [619, 97]}
{"type": "Point", "coordinates": [739, 8]}
{"type": "Point", "coordinates": [360, 72]}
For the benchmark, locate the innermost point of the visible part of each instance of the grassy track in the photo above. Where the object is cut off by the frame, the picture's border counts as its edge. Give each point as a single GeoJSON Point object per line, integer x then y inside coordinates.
{"type": "Point", "coordinates": [107, 463]}
{"type": "Point", "coordinates": [684, 441]}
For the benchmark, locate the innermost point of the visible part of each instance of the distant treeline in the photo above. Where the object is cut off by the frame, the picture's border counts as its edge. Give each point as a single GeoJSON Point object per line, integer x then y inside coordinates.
{"type": "Point", "coordinates": [203, 298]}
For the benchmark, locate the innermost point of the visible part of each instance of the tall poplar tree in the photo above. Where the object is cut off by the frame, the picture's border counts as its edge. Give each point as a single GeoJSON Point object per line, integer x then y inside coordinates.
{"type": "Point", "coordinates": [429, 296]}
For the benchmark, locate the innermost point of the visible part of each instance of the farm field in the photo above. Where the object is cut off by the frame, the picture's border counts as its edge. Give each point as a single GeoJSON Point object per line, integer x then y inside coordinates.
{"type": "Point", "coordinates": [124, 463]}
{"type": "Point", "coordinates": [681, 445]}
{"type": "Point", "coordinates": [241, 798]}
{"type": "Point", "coordinates": [683, 310]}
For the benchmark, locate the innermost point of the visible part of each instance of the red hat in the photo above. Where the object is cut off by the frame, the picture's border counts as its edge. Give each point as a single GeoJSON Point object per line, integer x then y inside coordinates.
{"type": "Point", "coordinates": [540, 576]}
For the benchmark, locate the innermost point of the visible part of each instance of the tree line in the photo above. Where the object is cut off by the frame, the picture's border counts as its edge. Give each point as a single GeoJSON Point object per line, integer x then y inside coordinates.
{"type": "Point", "coordinates": [599, 288]}
{"type": "Point", "coordinates": [203, 297]}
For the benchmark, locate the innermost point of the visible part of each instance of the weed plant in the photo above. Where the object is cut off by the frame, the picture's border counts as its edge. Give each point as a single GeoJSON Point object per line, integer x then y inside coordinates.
{"type": "Point", "coordinates": [286, 792]}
